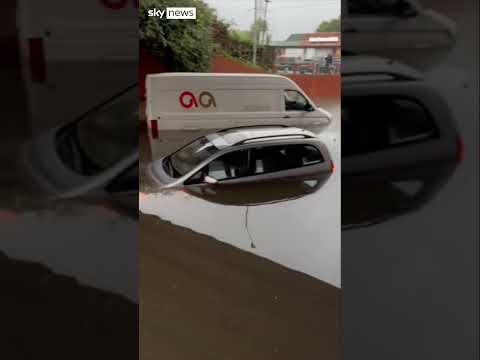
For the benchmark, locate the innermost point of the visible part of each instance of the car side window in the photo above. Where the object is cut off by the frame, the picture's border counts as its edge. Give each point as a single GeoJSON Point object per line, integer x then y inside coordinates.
{"type": "Point", "coordinates": [284, 157]}
{"type": "Point", "coordinates": [197, 178]}
{"type": "Point", "coordinates": [411, 123]}
{"type": "Point", "coordinates": [229, 166]}
{"type": "Point", "coordinates": [126, 181]}
{"type": "Point", "coordinates": [371, 124]}
{"type": "Point", "coordinates": [295, 101]}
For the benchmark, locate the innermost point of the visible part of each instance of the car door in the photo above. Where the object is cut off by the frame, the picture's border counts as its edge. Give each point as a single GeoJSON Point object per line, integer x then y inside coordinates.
{"type": "Point", "coordinates": [228, 169]}
{"type": "Point", "coordinates": [249, 175]}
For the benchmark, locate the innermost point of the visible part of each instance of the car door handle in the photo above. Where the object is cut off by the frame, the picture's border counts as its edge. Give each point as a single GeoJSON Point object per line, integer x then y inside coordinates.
{"type": "Point", "coordinates": [286, 117]}
{"type": "Point", "coordinates": [350, 30]}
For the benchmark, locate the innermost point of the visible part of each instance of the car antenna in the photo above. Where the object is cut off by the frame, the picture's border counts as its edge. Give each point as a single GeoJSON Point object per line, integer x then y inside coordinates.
{"type": "Point", "coordinates": [252, 244]}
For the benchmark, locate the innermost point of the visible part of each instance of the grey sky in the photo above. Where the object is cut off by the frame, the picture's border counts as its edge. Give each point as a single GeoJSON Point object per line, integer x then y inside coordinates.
{"type": "Point", "coordinates": [284, 16]}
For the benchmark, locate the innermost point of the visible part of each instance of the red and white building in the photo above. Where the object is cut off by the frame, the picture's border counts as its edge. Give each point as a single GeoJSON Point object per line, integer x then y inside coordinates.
{"type": "Point", "coordinates": [309, 48]}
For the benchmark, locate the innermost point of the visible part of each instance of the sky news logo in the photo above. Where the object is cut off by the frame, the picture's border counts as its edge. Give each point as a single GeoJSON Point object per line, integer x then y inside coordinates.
{"type": "Point", "coordinates": [174, 13]}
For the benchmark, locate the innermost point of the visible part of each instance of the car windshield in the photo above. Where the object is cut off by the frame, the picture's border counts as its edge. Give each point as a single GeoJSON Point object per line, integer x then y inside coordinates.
{"type": "Point", "coordinates": [192, 155]}
{"type": "Point", "coordinates": [109, 134]}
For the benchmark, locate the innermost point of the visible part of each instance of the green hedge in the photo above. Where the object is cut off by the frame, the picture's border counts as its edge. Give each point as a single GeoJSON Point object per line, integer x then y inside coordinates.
{"type": "Point", "coordinates": [186, 45]}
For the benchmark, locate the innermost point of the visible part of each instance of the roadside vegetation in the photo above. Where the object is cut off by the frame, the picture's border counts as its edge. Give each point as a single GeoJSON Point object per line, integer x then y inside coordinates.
{"type": "Point", "coordinates": [189, 45]}
{"type": "Point", "coordinates": [333, 25]}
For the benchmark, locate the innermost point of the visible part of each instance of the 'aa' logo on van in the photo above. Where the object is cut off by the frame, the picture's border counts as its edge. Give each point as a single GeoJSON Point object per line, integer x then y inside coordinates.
{"type": "Point", "coordinates": [205, 99]}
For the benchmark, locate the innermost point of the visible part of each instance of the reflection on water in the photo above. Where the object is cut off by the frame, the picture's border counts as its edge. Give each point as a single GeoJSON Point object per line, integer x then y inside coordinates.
{"type": "Point", "coordinates": [257, 194]}
{"type": "Point", "coordinates": [90, 241]}
{"type": "Point", "coordinates": [294, 224]}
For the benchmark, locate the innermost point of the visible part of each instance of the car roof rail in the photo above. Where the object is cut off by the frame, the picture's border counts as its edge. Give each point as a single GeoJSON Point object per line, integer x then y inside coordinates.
{"type": "Point", "coordinates": [253, 127]}
{"type": "Point", "coordinates": [274, 137]}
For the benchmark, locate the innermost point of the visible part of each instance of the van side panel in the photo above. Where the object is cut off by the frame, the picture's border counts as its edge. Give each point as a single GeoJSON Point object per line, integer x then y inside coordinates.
{"type": "Point", "coordinates": [188, 102]}
{"type": "Point", "coordinates": [209, 102]}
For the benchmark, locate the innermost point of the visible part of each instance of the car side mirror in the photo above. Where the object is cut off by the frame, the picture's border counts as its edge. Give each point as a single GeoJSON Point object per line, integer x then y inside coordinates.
{"type": "Point", "coordinates": [210, 180]}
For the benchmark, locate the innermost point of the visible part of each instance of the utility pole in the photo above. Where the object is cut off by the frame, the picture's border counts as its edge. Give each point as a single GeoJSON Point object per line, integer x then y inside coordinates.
{"type": "Point", "coordinates": [255, 30]}
{"type": "Point", "coordinates": [264, 37]}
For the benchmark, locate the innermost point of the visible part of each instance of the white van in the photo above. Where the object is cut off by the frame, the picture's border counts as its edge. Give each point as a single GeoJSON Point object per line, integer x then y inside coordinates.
{"type": "Point", "coordinates": [73, 57]}
{"type": "Point", "coordinates": [205, 102]}
{"type": "Point", "coordinates": [403, 30]}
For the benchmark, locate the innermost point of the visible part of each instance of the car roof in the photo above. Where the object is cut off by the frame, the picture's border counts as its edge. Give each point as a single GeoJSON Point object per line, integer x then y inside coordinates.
{"type": "Point", "coordinates": [247, 134]}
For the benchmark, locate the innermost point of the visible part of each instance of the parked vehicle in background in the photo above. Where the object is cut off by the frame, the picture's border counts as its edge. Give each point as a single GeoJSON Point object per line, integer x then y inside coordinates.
{"type": "Point", "coordinates": [244, 155]}
{"type": "Point", "coordinates": [399, 139]}
{"type": "Point", "coordinates": [399, 29]}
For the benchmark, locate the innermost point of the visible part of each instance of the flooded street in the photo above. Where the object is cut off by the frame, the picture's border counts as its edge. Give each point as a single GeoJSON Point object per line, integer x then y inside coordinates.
{"type": "Point", "coordinates": [66, 234]}
{"type": "Point", "coordinates": [227, 303]}
{"type": "Point", "coordinates": [297, 228]}
{"type": "Point", "coordinates": [252, 275]}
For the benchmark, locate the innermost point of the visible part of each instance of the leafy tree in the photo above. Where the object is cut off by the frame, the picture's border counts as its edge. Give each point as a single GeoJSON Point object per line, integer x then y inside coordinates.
{"type": "Point", "coordinates": [242, 35]}
{"type": "Point", "coordinates": [261, 26]}
{"type": "Point", "coordinates": [330, 25]}
{"type": "Point", "coordinates": [186, 44]}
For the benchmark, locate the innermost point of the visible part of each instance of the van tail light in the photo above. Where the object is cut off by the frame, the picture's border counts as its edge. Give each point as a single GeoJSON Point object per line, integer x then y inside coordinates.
{"type": "Point", "coordinates": [154, 128]}
{"type": "Point", "coordinates": [333, 166]}
{"type": "Point", "coordinates": [460, 149]}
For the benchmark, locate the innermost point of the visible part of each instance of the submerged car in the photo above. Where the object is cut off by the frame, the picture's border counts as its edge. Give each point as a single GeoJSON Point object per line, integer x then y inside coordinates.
{"type": "Point", "coordinates": [95, 155]}
{"type": "Point", "coordinates": [400, 142]}
{"type": "Point", "coordinates": [244, 155]}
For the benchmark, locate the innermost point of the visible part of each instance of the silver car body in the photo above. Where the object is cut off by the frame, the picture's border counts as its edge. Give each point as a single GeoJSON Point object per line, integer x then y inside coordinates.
{"type": "Point", "coordinates": [236, 139]}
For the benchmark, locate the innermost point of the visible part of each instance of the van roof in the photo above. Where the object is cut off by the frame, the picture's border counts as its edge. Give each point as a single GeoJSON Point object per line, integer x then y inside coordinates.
{"type": "Point", "coordinates": [364, 65]}
{"type": "Point", "coordinates": [217, 81]}
{"type": "Point", "coordinates": [216, 75]}
{"type": "Point", "coordinates": [201, 81]}
{"type": "Point", "coordinates": [237, 136]}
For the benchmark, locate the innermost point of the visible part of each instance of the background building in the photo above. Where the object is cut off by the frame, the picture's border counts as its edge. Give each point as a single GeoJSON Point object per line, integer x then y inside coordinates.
{"type": "Point", "coordinates": [310, 53]}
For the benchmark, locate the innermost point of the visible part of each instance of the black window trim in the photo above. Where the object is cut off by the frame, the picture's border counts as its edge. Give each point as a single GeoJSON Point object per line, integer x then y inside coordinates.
{"type": "Point", "coordinates": [321, 161]}
{"type": "Point", "coordinates": [297, 91]}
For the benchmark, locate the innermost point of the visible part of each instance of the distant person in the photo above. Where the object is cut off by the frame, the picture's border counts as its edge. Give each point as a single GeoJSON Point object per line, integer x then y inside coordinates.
{"type": "Point", "coordinates": [329, 60]}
